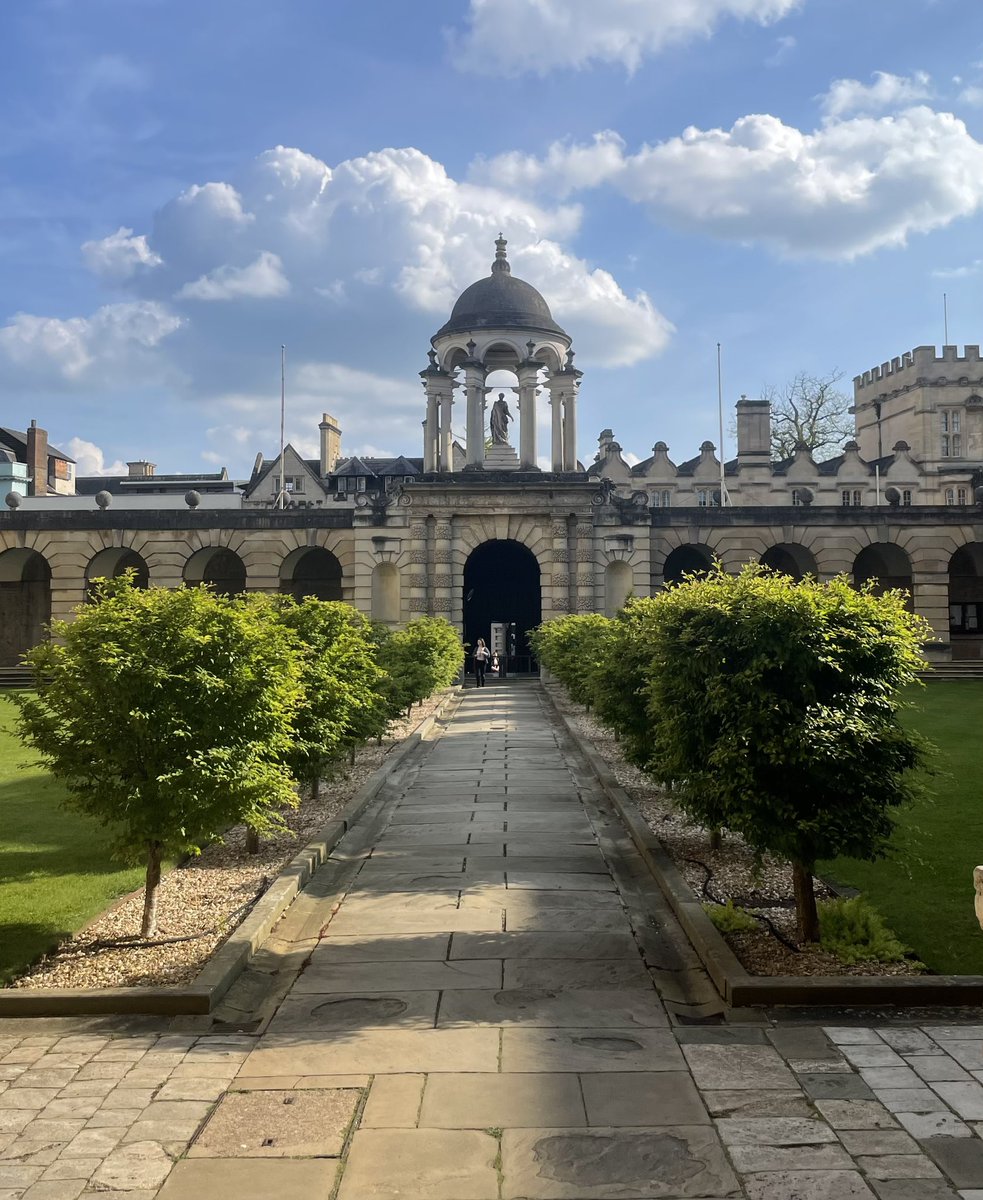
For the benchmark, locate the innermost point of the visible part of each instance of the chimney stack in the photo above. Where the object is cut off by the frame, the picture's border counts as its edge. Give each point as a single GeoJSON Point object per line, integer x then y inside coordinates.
{"type": "Point", "coordinates": [37, 460]}
{"type": "Point", "coordinates": [141, 469]}
{"type": "Point", "coordinates": [753, 433]}
{"type": "Point", "coordinates": [330, 444]}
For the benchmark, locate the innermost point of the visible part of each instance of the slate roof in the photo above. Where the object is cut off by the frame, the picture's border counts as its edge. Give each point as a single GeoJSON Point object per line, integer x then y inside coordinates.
{"type": "Point", "coordinates": [14, 440]}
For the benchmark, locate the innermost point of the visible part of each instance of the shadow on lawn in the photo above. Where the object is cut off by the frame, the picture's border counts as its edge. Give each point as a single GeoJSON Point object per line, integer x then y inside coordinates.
{"type": "Point", "coordinates": [24, 943]}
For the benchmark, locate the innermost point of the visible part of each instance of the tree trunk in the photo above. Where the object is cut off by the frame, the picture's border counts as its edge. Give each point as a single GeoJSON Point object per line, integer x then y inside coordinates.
{"type": "Point", "coordinates": [151, 888]}
{"type": "Point", "coordinates": [715, 839]}
{"type": "Point", "coordinates": [805, 903]}
{"type": "Point", "coordinates": [351, 756]}
{"type": "Point", "coordinates": [252, 840]}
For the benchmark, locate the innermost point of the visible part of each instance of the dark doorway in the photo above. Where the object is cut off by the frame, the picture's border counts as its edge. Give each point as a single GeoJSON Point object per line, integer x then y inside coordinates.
{"type": "Point", "coordinates": [501, 583]}
{"type": "Point", "coordinates": [886, 566]}
{"type": "Point", "coordinates": [789, 558]}
{"type": "Point", "coordinates": [686, 560]}
{"type": "Point", "coordinates": [25, 603]}
{"type": "Point", "coordinates": [313, 572]}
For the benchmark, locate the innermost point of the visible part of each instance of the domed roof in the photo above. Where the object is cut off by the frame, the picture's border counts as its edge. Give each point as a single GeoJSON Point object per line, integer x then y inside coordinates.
{"type": "Point", "coordinates": [500, 302]}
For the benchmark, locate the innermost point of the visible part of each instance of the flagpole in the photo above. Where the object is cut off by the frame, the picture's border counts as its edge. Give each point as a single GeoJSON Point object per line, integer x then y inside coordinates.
{"type": "Point", "coordinates": [724, 498]}
{"type": "Point", "coordinates": [281, 500]}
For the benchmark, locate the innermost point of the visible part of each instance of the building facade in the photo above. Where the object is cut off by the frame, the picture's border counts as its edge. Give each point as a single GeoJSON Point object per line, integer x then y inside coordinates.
{"type": "Point", "coordinates": [483, 532]}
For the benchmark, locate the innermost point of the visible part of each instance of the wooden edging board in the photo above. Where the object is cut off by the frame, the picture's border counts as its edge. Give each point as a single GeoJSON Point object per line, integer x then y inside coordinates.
{"type": "Point", "coordinates": [736, 986]}
{"type": "Point", "coordinates": [233, 956]}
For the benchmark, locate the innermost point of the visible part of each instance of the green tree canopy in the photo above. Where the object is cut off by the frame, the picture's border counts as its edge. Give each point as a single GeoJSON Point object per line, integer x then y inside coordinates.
{"type": "Point", "coordinates": [344, 700]}
{"type": "Point", "coordinates": [419, 659]}
{"type": "Point", "coordinates": [168, 716]}
{"type": "Point", "coordinates": [774, 708]}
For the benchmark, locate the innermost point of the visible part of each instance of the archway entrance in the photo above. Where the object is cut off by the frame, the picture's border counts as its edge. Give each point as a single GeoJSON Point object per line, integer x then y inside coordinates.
{"type": "Point", "coordinates": [25, 603]}
{"type": "Point", "coordinates": [111, 563]}
{"type": "Point", "coordinates": [966, 601]}
{"type": "Point", "coordinates": [789, 558]}
{"type": "Point", "coordinates": [311, 571]}
{"type": "Point", "coordinates": [686, 560]}
{"type": "Point", "coordinates": [502, 586]}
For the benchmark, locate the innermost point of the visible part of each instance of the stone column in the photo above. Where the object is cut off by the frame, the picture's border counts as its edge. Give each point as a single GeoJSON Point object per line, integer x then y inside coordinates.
{"type": "Point", "coordinates": [474, 379]}
{"type": "Point", "coordinates": [527, 372]}
{"type": "Point", "coordinates": [556, 440]}
{"type": "Point", "coordinates": [416, 584]}
{"type": "Point", "coordinates": [456, 613]}
{"type": "Point", "coordinates": [430, 431]}
{"type": "Point", "coordinates": [442, 568]}
{"type": "Point", "coordinates": [930, 597]}
{"type": "Point", "coordinates": [446, 448]}
{"type": "Point", "coordinates": [570, 430]}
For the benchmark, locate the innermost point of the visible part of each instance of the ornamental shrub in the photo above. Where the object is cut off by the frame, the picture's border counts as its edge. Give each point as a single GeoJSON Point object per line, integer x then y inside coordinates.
{"type": "Point", "coordinates": [420, 659]}
{"type": "Point", "coordinates": [573, 649]}
{"type": "Point", "coordinates": [168, 715]}
{"type": "Point", "coordinates": [344, 701]}
{"type": "Point", "coordinates": [774, 706]}
{"type": "Point", "coordinates": [855, 932]}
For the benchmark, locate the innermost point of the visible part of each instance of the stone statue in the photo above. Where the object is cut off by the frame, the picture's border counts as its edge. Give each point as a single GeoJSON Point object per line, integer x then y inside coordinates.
{"type": "Point", "coordinates": [499, 421]}
{"type": "Point", "coordinates": [978, 887]}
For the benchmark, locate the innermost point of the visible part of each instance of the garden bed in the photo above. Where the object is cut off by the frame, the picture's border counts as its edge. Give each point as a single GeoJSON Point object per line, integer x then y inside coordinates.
{"type": "Point", "coordinates": [730, 873]}
{"type": "Point", "coordinates": [202, 902]}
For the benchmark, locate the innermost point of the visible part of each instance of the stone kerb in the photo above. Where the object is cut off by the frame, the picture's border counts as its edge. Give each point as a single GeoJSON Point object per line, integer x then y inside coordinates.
{"type": "Point", "coordinates": [737, 987]}
{"type": "Point", "coordinates": [234, 955]}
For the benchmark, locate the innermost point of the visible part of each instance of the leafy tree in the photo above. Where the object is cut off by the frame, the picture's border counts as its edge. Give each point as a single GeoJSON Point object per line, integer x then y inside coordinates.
{"type": "Point", "coordinates": [168, 716]}
{"type": "Point", "coordinates": [573, 648]}
{"type": "Point", "coordinates": [419, 659]}
{"type": "Point", "coordinates": [344, 702]}
{"type": "Point", "coordinates": [810, 411]}
{"type": "Point", "coordinates": [775, 708]}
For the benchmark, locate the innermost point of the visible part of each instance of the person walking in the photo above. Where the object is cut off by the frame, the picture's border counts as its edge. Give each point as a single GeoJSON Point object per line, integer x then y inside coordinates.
{"type": "Point", "coordinates": [482, 655]}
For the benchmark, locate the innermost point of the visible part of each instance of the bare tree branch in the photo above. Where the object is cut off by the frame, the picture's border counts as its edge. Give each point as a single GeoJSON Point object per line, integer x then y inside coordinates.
{"type": "Point", "coordinates": [809, 410]}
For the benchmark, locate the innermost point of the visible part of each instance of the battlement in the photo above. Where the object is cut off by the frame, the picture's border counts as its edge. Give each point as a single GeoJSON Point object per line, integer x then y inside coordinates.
{"type": "Point", "coordinates": [921, 363]}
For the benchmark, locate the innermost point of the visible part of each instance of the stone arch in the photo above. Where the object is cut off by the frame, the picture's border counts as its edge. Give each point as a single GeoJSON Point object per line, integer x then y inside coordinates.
{"type": "Point", "coordinates": [112, 561]}
{"type": "Point", "coordinates": [385, 593]}
{"type": "Point", "coordinates": [966, 601]}
{"type": "Point", "coordinates": [311, 571]}
{"type": "Point", "coordinates": [218, 566]}
{"type": "Point", "coordinates": [502, 584]}
{"type": "Point", "coordinates": [25, 602]}
{"type": "Point", "coordinates": [691, 558]}
{"type": "Point", "coordinates": [618, 580]}
{"type": "Point", "coordinates": [791, 558]}
{"type": "Point", "coordinates": [885, 565]}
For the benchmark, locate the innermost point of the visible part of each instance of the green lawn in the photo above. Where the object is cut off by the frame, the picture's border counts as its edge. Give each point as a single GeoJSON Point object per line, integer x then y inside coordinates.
{"type": "Point", "coordinates": [925, 889]}
{"type": "Point", "coordinates": [56, 872]}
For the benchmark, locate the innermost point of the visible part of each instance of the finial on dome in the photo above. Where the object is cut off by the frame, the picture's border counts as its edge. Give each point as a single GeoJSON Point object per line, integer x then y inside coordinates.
{"type": "Point", "coordinates": [501, 262]}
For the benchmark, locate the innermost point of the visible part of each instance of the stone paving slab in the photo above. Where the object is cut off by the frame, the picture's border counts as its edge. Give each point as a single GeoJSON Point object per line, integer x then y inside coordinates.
{"type": "Point", "coordinates": [475, 1019]}
{"type": "Point", "coordinates": [618, 1164]}
{"type": "Point", "coordinates": [573, 1007]}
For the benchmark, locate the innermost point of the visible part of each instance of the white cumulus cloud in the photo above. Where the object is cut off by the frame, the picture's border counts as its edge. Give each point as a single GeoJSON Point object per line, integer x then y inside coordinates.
{"type": "Point", "coordinates": [845, 189]}
{"type": "Point", "coordinates": [382, 237]}
{"type": "Point", "coordinates": [886, 92]}
{"type": "Point", "coordinates": [90, 459]}
{"type": "Point", "coordinates": [120, 255]}
{"type": "Point", "coordinates": [517, 36]}
{"type": "Point", "coordinates": [260, 280]}
{"type": "Point", "coordinates": [79, 349]}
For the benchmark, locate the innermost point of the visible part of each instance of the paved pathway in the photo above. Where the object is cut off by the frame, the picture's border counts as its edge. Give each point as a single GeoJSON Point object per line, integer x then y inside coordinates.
{"type": "Point", "coordinates": [476, 1020]}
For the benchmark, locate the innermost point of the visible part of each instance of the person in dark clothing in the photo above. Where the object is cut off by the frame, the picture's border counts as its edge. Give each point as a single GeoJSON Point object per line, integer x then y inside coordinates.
{"type": "Point", "coordinates": [482, 656]}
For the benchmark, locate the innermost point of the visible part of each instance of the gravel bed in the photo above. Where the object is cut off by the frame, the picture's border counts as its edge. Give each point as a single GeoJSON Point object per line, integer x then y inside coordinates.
{"type": "Point", "coordinates": [727, 873]}
{"type": "Point", "coordinates": [203, 901]}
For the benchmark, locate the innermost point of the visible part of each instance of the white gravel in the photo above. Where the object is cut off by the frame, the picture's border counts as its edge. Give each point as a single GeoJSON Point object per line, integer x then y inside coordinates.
{"type": "Point", "coordinates": [731, 872]}
{"type": "Point", "coordinates": [202, 902]}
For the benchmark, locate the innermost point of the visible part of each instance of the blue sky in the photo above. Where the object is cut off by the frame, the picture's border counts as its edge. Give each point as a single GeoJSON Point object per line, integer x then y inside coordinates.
{"type": "Point", "coordinates": [184, 187]}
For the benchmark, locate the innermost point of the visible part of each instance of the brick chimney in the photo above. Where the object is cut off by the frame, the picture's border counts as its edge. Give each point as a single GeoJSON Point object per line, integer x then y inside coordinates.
{"type": "Point", "coordinates": [141, 469]}
{"type": "Point", "coordinates": [37, 460]}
